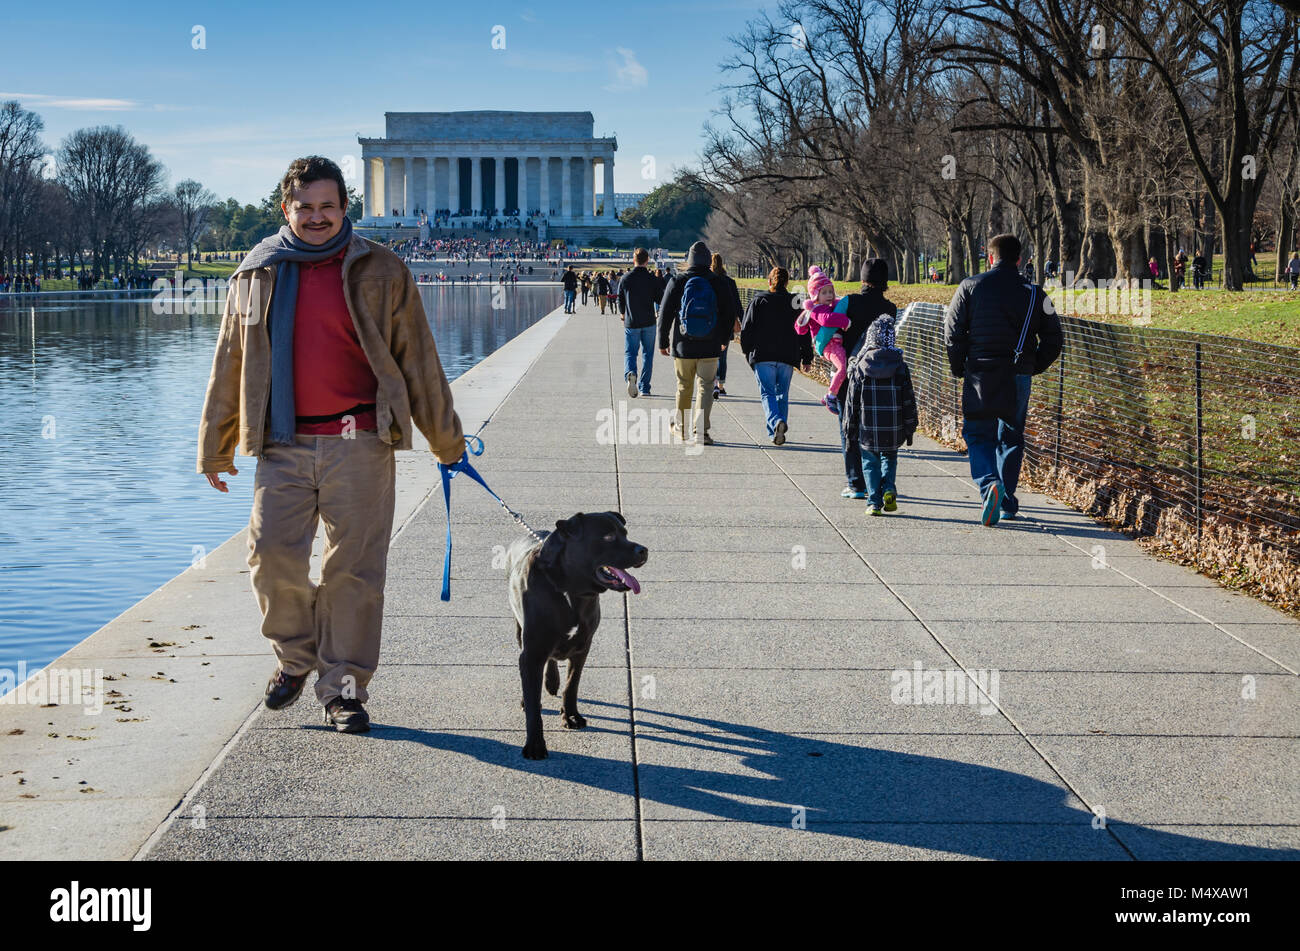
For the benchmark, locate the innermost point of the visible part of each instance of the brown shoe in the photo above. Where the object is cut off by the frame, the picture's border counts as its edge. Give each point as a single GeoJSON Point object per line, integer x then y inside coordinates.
{"type": "Point", "coordinates": [283, 689]}
{"type": "Point", "coordinates": [347, 716]}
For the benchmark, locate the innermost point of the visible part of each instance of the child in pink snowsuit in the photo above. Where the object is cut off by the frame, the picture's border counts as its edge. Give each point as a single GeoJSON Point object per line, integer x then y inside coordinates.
{"type": "Point", "coordinates": [819, 318]}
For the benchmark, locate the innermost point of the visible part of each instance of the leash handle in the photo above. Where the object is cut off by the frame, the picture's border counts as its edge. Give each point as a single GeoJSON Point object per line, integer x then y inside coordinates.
{"type": "Point", "coordinates": [473, 446]}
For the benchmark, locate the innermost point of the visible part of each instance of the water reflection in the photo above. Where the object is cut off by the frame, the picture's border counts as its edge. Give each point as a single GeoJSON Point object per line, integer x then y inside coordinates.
{"type": "Point", "coordinates": [99, 409]}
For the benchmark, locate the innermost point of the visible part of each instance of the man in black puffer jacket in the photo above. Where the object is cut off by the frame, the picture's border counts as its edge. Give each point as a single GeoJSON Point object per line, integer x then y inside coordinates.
{"type": "Point", "coordinates": [1000, 331]}
{"type": "Point", "coordinates": [696, 358]}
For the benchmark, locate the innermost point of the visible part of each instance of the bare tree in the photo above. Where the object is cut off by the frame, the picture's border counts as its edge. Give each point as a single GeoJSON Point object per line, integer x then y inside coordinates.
{"type": "Point", "coordinates": [192, 202]}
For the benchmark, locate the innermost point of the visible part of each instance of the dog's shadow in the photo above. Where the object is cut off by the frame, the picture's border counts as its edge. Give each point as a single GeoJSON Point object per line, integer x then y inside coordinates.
{"type": "Point", "coordinates": [837, 789]}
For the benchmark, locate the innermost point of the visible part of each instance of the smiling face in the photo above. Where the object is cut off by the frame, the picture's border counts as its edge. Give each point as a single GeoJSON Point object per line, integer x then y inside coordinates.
{"type": "Point", "coordinates": [315, 213]}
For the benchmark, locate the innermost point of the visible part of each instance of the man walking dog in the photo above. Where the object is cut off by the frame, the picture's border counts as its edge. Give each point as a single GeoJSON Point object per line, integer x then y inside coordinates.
{"type": "Point", "coordinates": [1000, 331]}
{"type": "Point", "coordinates": [324, 356]}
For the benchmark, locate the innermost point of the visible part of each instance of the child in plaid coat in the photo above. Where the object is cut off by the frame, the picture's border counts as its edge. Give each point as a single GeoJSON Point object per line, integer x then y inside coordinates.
{"type": "Point", "coordinates": [880, 403]}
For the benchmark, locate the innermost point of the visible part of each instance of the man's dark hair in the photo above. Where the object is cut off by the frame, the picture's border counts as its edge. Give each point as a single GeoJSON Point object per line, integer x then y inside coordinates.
{"type": "Point", "coordinates": [640, 256]}
{"type": "Point", "coordinates": [313, 168]}
{"type": "Point", "coordinates": [1006, 247]}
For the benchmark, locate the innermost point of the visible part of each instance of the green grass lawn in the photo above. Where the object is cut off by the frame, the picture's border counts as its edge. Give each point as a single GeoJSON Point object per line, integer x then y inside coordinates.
{"type": "Point", "coordinates": [1266, 316]}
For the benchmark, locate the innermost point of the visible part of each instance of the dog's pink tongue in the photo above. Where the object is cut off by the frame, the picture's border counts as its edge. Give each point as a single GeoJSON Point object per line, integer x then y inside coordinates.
{"type": "Point", "coordinates": [627, 579]}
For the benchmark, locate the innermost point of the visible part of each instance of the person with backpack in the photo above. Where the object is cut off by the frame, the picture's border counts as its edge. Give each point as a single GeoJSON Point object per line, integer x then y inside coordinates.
{"type": "Point", "coordinates": [637, 294]}
{"type": "Point", "coordinates": [861, 308]}
{"type": "Point", "coordinates": [602, 289]}
{"type": "Point", "coordinates": [1000, 331]}
{"type": "Point", "coordinates": [880, 410]}
{"type": "Point", "coordinates": [584, 283]}
{"type": "Point", "coordinates": [697, 318]}
{"type": "Point", "coordinates": [774, 348]}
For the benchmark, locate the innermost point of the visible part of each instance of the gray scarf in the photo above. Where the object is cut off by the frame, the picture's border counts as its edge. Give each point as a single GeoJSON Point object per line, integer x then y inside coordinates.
{"type": "Point", "coordinates": [284, 250]}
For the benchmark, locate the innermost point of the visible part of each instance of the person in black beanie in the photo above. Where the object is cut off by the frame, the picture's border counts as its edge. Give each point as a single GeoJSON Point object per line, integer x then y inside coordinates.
{"type": "Point", "coordinates": [861, 308]}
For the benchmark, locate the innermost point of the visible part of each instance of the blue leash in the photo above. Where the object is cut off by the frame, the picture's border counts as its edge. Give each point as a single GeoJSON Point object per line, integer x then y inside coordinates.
{"type": "Point", "coordinates": [448, 472]}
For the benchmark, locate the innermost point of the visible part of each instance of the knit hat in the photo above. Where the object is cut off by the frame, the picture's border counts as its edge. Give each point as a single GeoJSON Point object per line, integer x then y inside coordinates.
{"type": "Point", "coordinates": [875, 271]}
{"type": "Point", "coordinates": [816, 281]}
{"type": "Point", "coordinates": [880, 335]}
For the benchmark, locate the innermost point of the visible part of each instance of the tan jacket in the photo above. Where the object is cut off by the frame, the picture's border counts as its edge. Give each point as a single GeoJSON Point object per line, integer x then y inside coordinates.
{"type": "Point", "coordinates": [389, 318]}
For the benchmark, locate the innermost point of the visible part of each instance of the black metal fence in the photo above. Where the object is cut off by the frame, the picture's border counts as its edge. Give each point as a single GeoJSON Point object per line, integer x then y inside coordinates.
{"type": "Point", "coordinates": [1189, 440]}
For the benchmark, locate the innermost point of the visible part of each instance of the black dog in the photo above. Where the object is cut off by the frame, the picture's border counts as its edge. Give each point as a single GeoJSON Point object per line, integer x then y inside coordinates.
{"type": "Point", "coordinates": [555, 589]}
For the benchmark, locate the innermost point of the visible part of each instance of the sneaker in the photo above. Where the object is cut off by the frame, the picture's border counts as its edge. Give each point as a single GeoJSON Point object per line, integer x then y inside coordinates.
{"type": "Point", "coordinates": [283, 689]}
{"type": "Point", "coordinates": [831, 403]}
{"type": "Point", "coordinates": [852, 493]}
{"type": "Point", "coordinates": [873, 510]}
{"type": "Point", "coordinates": [716, 392]}
{"type": "Point", "coordinates": [708, 440]}
{"type": "Point", "coordinates": [347, 716]}
{"type": "Point", "coordinates": [992, 505]}
{"type": "Point", "coordinates": [630, 376]}
{"type": "Point", "coordinates": [891, 502]}
{"type": "Point", "coordinates": [722, 389]}
{"type": "Point", "coordinates": [778, 438]}
{"type": "Point", "coordinates": [645, 392]}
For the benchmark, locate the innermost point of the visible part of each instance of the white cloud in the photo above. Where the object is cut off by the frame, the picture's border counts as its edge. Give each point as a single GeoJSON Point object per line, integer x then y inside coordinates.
{"type": "Point", "coordinates": [628, 75]}
{"type": "Point", "coordinates": [37, 100]}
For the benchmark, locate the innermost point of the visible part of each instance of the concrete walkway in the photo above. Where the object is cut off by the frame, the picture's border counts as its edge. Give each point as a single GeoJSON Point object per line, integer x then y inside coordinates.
{"type": "Point", "coordinates": [746, 703]}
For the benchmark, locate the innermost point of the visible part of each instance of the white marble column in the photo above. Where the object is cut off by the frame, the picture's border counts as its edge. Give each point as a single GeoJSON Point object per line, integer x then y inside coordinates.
{"type": "Point", "coordinates": [390, 186]}
{"type": "Point", "coordinates": [521, 189]}
{"type": "Point", "coordinates": [544, 186]}
{"type": "Point", "coordinates": [499, 198]}
{"type": "Point", "coordinates": [476, 186]}
{"type": "Point", "coordinates": [408, 192]}
{"type": "Point", "coordinates": [588, 188]}
{"type": "Point", "coordinates": [609, 186]}
{"type": "Point", "coordinates": [566, 188]}
{"type": "Point", "coordinates": [453, 183]}
{"type": "Point", "coordinates": [430, 197]}
{"type": "Point", "coordinates": [368, 186]}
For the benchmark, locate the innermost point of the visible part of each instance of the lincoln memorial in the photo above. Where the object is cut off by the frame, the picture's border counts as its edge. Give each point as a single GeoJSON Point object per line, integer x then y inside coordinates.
{"type": "Point", "coordinates": [543, 170]}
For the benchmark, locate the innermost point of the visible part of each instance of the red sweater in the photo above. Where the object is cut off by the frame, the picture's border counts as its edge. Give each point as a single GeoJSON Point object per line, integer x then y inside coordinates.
{"type": "Point", "coordinates": [330, 371]}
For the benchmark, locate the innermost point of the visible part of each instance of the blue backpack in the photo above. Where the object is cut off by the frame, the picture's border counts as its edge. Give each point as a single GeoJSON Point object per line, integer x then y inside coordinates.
{"type": "Point", "coordinates": [699, 310]}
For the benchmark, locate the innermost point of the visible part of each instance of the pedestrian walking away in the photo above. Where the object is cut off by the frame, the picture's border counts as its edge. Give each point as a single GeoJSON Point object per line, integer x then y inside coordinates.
{"type": "Point", "coordinates": [696, 319]}
{"type": "Point", "coordinates": [637, 295]}
{"type": "Point", "coordinates": [880, 406]}
{"type": "Point", "coordinates": [720, 382]}
{"type": "Point", "coordinates": [861, 308]}
{"type": "Point", "coordinates": [999, 332]}
{"type": "Point", "coordinates": [570, 281]}
{"type": "Point", "coordinates": [320, 383]}
{"type": "Point", "coordinates": [774, 348]}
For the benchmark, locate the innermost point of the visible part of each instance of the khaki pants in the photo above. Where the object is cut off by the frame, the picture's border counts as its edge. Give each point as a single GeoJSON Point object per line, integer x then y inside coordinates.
{"type": "Point", "coordinates": [701, 374]}
{"type": "Point", "coordinates": [334, 627]}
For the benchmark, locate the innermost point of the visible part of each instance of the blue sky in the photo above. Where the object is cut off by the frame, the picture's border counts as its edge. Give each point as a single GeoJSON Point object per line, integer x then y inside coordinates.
{"type": "Point", "coordinates": [274, 83]}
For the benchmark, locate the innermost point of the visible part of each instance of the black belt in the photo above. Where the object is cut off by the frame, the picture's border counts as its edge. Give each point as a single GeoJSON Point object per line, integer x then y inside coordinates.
{"type": "Point", "coordinates": [359, 408]}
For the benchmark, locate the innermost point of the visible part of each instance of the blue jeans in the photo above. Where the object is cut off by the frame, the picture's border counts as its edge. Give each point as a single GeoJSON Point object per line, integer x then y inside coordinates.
{"type": "Point", "coordinates": [852, 460]}
{"type": "Point", "coordinates": [568, 300]}
{"type": "Point", "coordinates": [644, 339]}
{"type": "Point", "coordinates": [774, 390]}
{"type": "Point", "coordinates": [996, 447]}
{"type": "Point", "coordinates": [881, 470]}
